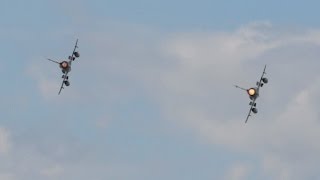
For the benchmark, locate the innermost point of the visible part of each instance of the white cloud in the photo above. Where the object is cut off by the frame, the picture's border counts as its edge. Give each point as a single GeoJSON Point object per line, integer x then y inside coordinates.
{"type": "Point", "coordinates": [7, 176]}
{"type": "Point", "coordinates": [52, 171]}
{"type": "Point", "coordinates": [103, 122]}
{"type": "Point", "coordinates": [197, 92]}
{"type": "Point", "coordinates": [191, 75]}
{"type": "Point", "coordinates": [5, 142]}
{"type": "Point", "coordinates": [238, 172]}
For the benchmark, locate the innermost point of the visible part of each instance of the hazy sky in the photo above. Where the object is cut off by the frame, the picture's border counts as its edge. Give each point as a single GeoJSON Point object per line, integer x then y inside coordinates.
{"type": "Point", "coordinates": [152, 96]}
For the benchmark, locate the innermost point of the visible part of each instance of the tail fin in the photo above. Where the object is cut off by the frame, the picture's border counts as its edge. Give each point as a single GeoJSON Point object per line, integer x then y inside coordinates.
{"type": "Point", "coordinates": [53, 61]}
{"type": "Point", "coordinates": [240, 87]}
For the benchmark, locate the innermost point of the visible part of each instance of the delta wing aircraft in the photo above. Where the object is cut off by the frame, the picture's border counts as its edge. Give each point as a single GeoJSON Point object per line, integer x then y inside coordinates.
{"type": "Point", "coordinates": [65, 66]}
{"type": "Point", "coordinates": [254, 93]}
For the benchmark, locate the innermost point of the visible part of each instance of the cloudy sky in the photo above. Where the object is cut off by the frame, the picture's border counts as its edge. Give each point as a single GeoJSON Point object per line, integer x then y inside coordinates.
{"type": "Point", "coordinates": [152, 94]}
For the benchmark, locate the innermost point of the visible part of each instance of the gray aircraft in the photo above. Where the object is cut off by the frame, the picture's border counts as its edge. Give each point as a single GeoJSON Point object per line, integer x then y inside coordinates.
{"type": "Point", "coordinates": [65, 66]}
{"type": "Point", "coordinates": [254, 93]}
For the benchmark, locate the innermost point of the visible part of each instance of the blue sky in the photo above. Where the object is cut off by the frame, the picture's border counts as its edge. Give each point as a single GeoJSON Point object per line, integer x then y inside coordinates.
{"type": "Point", "coordinates": [151, 96]}
{"type": "Point", "coordinates": [165, 14]}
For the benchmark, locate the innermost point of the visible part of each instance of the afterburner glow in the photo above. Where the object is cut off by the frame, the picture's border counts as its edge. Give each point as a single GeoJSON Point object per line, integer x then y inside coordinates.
{"type": "Point", "coordinates": [251, 91]}
{"type": "Point", "coordinates": [64, 64]}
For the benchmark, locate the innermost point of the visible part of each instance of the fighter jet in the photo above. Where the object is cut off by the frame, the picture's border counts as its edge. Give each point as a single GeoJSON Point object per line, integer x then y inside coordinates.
{"type": "Point", "coordinates": [254, 93]}
{"type": "Point", "coordinates": [65, 66]}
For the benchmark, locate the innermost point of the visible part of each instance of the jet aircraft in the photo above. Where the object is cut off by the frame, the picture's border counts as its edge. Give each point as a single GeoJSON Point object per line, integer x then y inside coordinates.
{"type": "Point", "coordinates": [65, 66]}
{"type": "Point", "coordinates": [254, 93]}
